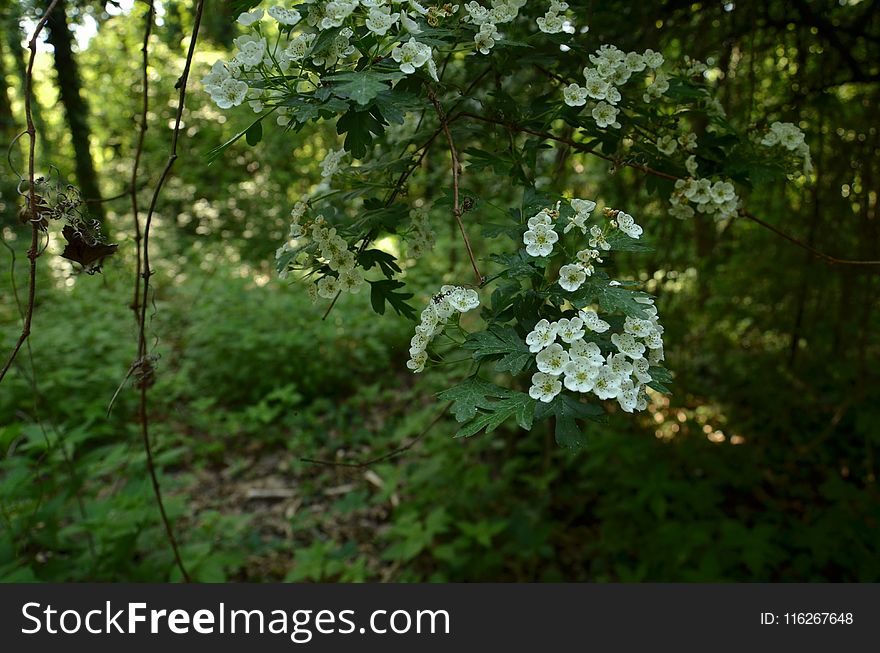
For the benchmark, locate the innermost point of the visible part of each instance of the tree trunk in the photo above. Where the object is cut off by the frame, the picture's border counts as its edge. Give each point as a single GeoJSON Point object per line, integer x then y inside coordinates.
{"type": "Point", "coordinates": [75, 108]}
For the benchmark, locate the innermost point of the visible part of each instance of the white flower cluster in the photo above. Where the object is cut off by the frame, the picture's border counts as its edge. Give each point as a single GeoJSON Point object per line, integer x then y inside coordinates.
{"type": "Point", "coordinates": [554, 22]}
{"type": "Point", "coordinates": [330, 164]}
{"type": "Point", "coordinates": [422, 236]}
{"type": "Point", "coordinates": [579, 364]}
{"type": "Point", "coordinates": [718, 198]}
{"type": "Point", "coordinates": [541, 236]}
{"type": "Point", "coordinates": [612, 68]}
{"type": "Point", "coordinates": [487, 20]}
{"type": "Point", "coordinates": [789, 136]}
{"type": "Point", "coordinates": [449, 301]}
{"type": "Point", "coordinates": [332, 248]}
{"type": "Point", "coordinates": [259, 62]}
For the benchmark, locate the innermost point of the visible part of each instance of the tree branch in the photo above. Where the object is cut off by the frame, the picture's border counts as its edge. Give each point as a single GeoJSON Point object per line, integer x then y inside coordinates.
{"type": "Point", "coordinates": [590, 149]}
{"type": "Point", "coordinates": [143, 364]}
{"type": "Point", "coordinates": [34, 216]}
{"type": "Point", "coordinates": [456, 173]}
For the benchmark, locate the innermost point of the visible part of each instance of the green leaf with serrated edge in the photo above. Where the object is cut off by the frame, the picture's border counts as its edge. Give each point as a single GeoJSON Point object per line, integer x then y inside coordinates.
{"type": "Point", "coordinates": [385, 291]}
{"type": "Point", "coordinates": [363, 86]}
{"type": "Point", "coordinates": [567, 410]}
{"type": "Point", "coordinates": [519, 405]}
{"type": "Point", "coordinates": [359, 128]}
{"type": "Point", "coordinates": [660, 376]}
{"type": "Point", "coordinates": [620, 242]}
{"type": "Point", "coordinates": [386, 262]}
{"type": "Point", "coordinates": [500, 341]}
{"type": "Point", "coordinates": [468, 396]}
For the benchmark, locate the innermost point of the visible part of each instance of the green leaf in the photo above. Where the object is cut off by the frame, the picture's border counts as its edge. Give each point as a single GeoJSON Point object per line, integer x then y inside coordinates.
{"type": "Point", "coordinates": [384, 291]}
{"type": "Point", "coordinates": [620, 242]}
{"type": "Point", "coordinates": [218, 151]}
{"type": "Point", "coordinates": [660, 376]}
{"type": "Point", "coordinates": [567, 411]}
{"type": "Point", "coordinates": [611, 299]}
{"type": "Point", "coordinates": [359, 128]}
{"type": "Point", "coordinates": [362, 86]}
{"type": "Point", "coordinates": [386, 262]}
{"type": "Point", "coordinates": [254, 133]}
{"type": "Point", "coordinates": [468, 396]}
{"type": "Point", "coordinates": [500, 341]}
{"type": "Point", "coordinates": [519, 405]}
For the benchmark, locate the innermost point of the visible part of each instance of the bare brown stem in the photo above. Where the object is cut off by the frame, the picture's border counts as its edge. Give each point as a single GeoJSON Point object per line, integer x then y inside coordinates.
{"type": "Point", "coordinates": [456, 174]}
{"type": "Point", "coordinates": [142, 132]}
{"type": "Point", "coordinates": [143, 363]}
{"type": "Point", "coordinates": [34, 216]}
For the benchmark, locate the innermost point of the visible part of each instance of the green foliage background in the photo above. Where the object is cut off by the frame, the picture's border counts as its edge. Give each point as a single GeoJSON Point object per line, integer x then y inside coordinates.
{"type": "Point", "coordinates": [761, 465]}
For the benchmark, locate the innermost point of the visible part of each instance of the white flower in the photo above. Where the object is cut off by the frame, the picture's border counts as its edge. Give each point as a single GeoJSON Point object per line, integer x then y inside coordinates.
{"type": "Point", "coordinates": [285, 16]}
{"type": "Point", "coordinates": [667, 145]}
{"type": "Point", "coordinates": [411, 55]}
{"type": "Point", "coordinates": [691, 165]}
{"type": "Point", "coordinates": [552, 359]}
{"type": "Point", "coordinates": [688, 141]}
{"type": "Point", "coordinates": [539, 240]}
{"type": "Point", "coordinates": [605, 115]}
{"type": "Point", "coordinates": [230, 93]}
{"type": "Point", "coordinates": [652, 59]}
{"type": "Point", "coordinates": [571, 330]}
{"type": "Point", "coordinates": [582, 206]}
{"type": "Point", "coordinates": [629, 396]}
{"type": "Point", "coordinates": [330, 164]}
{"type": "Point", "coordinates": [328, 287]}
{"type": "Point", "coordinates": [587, 350]}
{"type": "Point", "coordinates": [351, 280]}
{"type": "Point", "coordinates": [380, 21]}
{"type": "Point", "coordinates": [551, 23]}
{"type": "Point", "coordinates": [251, 50]}
{"type": "Point", "coordinates": [574, 95]}
{"type": "Point", "coordinates": [606, 384]}
{"type": "Point", "coordinates": [580, 374]}
{"type": "Point", "coordinates": [335, 13]}
{"type": "Point", "coordinates": [249, 18]}
{"type": "Point", "coordinates": [417, 362]}
{"type": "Point", "coordinates": [571, 277]}
{"type": "Point", "coordinates": [592, 321]}
{"type": "Point", "coordinates": [544, 387]}
{"type": "Point", "coordinates": [640, 370]}
{"type": "Point", "coordinates": [540, 218]}
{"type": "Point", "coordinates": [597, 238]}
{"type": "Point", "coordinates": [635, 62]}
{"type": "Point", "coordinates": [543, 335]}
{"type": "Point", "coordinates": [638, 328]}
{"type": "Point", "coordinates": [627, 225]}
{"type": "Point", "coordinates": [619, 364]}
{"type": "Point", "coordinates": [464, 299]}
{"type": "Point", "coordinates": [628, 345]}
{"type": "Point", "coordinates": [485, 39]}
{"type": "Point", "coordinates": [654, 340]}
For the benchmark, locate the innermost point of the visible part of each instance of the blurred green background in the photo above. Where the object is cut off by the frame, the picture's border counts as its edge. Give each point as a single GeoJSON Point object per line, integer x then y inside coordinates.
{"type": "Point", "coordinates": [761, 466]}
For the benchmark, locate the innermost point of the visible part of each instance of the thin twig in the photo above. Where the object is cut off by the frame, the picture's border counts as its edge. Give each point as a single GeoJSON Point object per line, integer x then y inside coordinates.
{"type": "Point", "coordinates": [590, 149]}
{"type": "Point", "coordinates": [383, 457]}
{"type": "Point", "coordinates": [142, 132]}
{"type": "Point", "coordinates": [35, 218]}
{"type": "Point", "coordinates": [143, 363]}
{"type": "Point", "coordinates": [456, 173]}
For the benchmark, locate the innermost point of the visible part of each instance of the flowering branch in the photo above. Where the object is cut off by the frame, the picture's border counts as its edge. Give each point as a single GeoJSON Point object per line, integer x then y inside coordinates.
{"type": "Point", "coordinates": [32, 210]}
{"type": "Point", "coordinates": [590, 149]}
